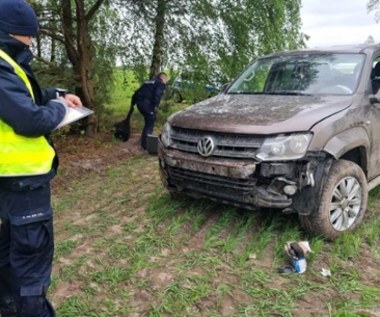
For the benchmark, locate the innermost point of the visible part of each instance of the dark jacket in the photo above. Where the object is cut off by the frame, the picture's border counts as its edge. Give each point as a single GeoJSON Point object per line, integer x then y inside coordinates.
{"type": "Point", "coordinates": [17, 109]}
{"type": "Point", "coordinates": [150, 93]}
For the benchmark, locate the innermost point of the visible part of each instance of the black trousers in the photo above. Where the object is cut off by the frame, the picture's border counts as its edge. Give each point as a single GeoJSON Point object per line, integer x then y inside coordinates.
{"type": "Point", "coordinates": [26, 250]}
{"type": "Point", "coordinates": [149, 115]}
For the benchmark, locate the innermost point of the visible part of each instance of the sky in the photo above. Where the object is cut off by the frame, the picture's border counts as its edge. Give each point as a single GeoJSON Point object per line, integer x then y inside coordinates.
{"type": "Point", "coordinates": [338, 22]}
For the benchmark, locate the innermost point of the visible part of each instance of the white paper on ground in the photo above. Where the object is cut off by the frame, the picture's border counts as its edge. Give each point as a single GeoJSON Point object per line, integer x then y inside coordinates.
{"type": "Point", "coordinates": [74, 114]}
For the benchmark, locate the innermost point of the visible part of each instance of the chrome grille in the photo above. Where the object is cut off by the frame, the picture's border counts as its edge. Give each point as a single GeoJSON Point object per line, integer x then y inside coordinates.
{"type": "Point", "coordinates": [227, 145]}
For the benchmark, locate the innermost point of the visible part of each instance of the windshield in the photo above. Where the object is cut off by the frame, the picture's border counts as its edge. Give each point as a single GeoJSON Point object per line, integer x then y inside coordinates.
{"type": "Point", "coordinates": [301, 74]}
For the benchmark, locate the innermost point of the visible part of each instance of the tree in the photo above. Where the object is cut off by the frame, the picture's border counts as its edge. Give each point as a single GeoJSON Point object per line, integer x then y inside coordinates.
{"type": "Point", "coordinates": [370, 40]}
{"type": "Point", "coordinates": [215, 39]}
{"type": "Point", "coordinates": [160, 29]}
{"type": "Point", "coordinates": [374, 5]}
{"type": "Point", "coordinates": [75, 31]}
{"type": "Point", "coordinates": [158, 38]}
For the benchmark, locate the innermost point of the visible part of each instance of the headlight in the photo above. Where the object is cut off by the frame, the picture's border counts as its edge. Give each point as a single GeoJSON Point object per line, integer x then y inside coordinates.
{"type": "Point", "coordinates": [165, 135]}
{"type": "Point", "coordinates": [284, 147]}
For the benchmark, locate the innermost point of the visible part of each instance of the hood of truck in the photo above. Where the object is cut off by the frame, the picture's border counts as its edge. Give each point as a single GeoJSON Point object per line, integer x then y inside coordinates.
{"type": "Point", "coordinates": [259, 114]}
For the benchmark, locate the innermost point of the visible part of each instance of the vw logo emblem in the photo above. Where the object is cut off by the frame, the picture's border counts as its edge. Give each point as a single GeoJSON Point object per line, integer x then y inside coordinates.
{"type": "Point", "coordinates": [206, 146]}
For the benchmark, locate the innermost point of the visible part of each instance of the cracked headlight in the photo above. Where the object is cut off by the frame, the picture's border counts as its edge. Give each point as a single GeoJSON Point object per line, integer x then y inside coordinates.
{"type": "Point", "coordinates": [165, 135]}
{"type": "Point", "coordinates": [284, 147]}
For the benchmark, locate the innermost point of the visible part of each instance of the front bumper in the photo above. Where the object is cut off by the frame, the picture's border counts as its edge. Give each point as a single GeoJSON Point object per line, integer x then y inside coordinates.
{"type": "Point", "coordinates": [231, 181]}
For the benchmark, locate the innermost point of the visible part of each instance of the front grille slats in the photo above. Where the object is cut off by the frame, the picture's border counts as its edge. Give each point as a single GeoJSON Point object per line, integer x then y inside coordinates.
{"type": "Point", "coordinates": [226, 145]}
{"type": "Point", "coordinates": [243, 185]}
{"type": "Point", "coordinates": [185, 138]}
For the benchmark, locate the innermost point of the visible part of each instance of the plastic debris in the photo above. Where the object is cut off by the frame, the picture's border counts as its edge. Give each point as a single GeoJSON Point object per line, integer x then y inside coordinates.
{"type": "Point", "coordinates": [298, 249]}
{"type": "Point", "coordinates": [252, 256]}
{"type": "Point", "coordinates": [297, 252]}
{"type": "Point", "coordinates": [325, 272]}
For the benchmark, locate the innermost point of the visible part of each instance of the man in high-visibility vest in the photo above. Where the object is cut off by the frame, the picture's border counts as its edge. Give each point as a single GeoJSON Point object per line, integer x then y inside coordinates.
{"type": "Point", "coordinates": [27, 164]}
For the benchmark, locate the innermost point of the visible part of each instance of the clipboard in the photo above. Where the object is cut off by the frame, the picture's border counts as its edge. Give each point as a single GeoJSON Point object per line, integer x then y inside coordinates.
{"type": "Point", "coordinates": [74, 114]}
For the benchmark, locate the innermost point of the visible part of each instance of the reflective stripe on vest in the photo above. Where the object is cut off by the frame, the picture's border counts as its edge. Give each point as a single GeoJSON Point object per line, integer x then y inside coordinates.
{"type": "Point", "coordinates": [20, 155]}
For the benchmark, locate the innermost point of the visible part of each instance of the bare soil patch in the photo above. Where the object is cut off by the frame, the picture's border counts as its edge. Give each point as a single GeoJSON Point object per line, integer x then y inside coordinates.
{"type": "Point", "coordinates": [79, 156]}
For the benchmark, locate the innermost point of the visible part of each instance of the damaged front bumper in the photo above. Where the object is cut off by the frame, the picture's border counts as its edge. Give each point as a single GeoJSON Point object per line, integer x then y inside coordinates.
{"type": "Point", "coordinates": [240, 182]}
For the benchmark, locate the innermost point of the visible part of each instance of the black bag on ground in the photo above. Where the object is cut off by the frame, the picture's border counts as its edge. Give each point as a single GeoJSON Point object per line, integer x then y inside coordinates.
{"type": "Point", "coordinates": [123, 128]}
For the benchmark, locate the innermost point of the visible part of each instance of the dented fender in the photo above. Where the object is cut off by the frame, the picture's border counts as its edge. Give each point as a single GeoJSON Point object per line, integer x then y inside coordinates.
{"type": "Point", "coordinates": [346, 141]}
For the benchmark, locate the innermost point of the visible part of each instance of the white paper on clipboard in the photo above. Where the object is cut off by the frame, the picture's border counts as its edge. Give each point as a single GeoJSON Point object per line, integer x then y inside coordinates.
{"type": "Point", "coordinates": [74, 114]}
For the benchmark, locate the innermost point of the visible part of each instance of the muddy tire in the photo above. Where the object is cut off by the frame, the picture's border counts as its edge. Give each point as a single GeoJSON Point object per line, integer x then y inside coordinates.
{"type": "Point", "coordinates": [342, 204]}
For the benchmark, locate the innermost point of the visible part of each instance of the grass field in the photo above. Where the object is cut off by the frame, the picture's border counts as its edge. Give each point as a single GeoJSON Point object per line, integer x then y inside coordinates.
{"type": "Point", "coordinates": [124, 248]}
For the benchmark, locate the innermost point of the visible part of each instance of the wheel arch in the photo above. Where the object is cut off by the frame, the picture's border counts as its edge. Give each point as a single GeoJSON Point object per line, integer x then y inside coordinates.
{"type": "Point", "coordinates": [351, 145]}
{"type": "Point", "coordinates": [319, 221]}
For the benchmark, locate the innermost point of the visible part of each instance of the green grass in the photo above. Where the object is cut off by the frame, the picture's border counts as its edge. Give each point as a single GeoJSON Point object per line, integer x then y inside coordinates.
{"type": "Point", "coordinates": [131, 250]}
{"type": "Point", "coordinates": [124, 247]}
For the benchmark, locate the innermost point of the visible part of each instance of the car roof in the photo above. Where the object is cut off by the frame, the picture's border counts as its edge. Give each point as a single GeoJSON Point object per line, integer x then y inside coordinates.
{"type": "Point", "coordinates": [355, 48]}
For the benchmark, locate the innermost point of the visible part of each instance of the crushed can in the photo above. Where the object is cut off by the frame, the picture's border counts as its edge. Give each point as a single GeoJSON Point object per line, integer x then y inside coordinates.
{"type": "Point", "coordinates": [299, 264]}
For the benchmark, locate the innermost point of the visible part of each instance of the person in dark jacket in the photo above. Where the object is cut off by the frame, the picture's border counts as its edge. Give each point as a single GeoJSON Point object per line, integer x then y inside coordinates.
{"type": "Point", "coordinates": [27, 164]}
{"type": "Point", "coordinates": [147, 98]}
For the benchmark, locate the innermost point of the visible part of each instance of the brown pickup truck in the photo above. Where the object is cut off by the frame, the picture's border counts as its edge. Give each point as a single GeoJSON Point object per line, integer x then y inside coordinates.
{"type": "Point", "coordinates": [297, 130]}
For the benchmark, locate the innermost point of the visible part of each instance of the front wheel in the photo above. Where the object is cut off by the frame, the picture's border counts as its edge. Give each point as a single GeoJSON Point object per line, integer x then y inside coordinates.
{"type": "Point", "coordinates": [342, 204]}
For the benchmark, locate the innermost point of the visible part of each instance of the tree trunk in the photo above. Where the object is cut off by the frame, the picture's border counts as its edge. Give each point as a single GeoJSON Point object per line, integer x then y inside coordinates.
{"type": "Point", "coordinates": [85, 65]}
{"type": "Point", "coordinates": [53, 50]}
{"type": "Point", "coordinates": [156, 65]}
{"type": "Point", "coordinates": [79, 50]}
{"type": "Point", "coordinates": [38, 46]}
{"type": "Point", "coordinates": [68, 33]}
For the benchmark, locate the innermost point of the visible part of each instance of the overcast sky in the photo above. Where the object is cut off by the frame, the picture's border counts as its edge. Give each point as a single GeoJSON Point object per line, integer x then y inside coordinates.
{"type": "Point", "coordinates": [329, 22]}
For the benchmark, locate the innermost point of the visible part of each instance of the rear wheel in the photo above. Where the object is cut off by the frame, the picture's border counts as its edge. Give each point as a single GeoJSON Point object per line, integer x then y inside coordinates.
{"type": "Point", "coordinates": [342, 204]}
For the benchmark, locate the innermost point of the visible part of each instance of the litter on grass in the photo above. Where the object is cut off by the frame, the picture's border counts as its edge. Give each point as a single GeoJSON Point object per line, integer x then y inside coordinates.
{"type": "Point", "coordinates": [297, 253]}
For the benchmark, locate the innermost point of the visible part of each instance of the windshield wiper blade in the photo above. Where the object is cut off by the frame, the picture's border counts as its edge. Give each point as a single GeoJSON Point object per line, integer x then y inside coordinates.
{"type": "Point", "coordinates": [287, 92]}
{"type": "Point", "coordinates": [245, 93]}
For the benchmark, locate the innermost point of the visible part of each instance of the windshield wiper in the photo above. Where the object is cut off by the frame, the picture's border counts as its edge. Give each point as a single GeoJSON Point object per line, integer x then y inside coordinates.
{"type": "Point", "coordinates": [245, 93]}
{"type": "Point", "coordinates": [288, 93]}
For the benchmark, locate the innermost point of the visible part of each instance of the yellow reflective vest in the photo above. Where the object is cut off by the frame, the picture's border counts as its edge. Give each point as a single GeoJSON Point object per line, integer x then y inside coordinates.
{"type": "Point", "coordinates": [20, 155]}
